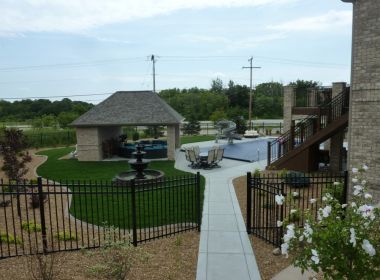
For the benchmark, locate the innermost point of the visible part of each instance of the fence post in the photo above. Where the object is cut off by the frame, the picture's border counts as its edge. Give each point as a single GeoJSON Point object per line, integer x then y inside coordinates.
{"type": "Point", "coordinates": [281, 215]}
{"type": "Point", "coordinates": [134, 219]}
{"type": "Point", "coordinates": [249, 202]}
{"type": "Point", "coordinates": [42, 214]}
{"type": "Point", "coordinates": [198, 190]}
{"type": "Point", "coordinates": [269, 151]}
{"type": "Point", "coordinates": [280, 128]}
{"type": "Point", "coordinates": [292, 134]}
{"type": "Point", "coordinates": [345, 187]}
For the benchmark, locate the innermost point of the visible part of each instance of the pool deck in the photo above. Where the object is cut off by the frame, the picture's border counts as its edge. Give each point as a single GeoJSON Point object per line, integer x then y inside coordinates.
{"type": "Point", "coordinates": [225, 251]}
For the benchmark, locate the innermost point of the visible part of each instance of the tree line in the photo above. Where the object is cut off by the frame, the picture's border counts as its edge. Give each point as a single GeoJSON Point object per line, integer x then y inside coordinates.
{"type": "Point", "coordinates": [42, 112]}
{"type": "Point", "coordinates": [218, 102]}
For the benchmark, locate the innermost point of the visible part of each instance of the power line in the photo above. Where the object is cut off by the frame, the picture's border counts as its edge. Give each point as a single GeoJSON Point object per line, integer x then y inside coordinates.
{"type": "Point", "coordinates": [54, 96]}
{"type": "Point", "coordinates": [69, 65]}
{"type": "Point", "coordinates": [167, 58]}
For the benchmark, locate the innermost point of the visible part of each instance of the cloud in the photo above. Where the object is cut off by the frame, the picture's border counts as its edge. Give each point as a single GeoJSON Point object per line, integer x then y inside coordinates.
{"type": "Point", "coordinates": [80, 15]}
{"type": "Point", "coordinates": [234, 44]}
{"type": "Point", "coordinates": [327, 21]}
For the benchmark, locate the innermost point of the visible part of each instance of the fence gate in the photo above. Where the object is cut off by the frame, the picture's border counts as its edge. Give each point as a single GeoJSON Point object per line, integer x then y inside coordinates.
{"type": "Point", "coordinates": [262, 210]}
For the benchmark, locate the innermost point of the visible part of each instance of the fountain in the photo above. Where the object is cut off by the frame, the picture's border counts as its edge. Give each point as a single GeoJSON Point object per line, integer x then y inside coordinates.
{"type": "Point", "coordinates": [139, 166]}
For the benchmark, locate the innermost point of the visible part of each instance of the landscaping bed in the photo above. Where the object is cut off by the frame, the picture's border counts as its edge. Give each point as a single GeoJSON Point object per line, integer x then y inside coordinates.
{"type": "Point", "coordinates": [168, 258]}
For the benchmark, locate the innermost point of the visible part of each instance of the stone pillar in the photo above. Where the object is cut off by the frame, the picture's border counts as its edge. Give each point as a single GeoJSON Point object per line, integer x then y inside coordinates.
{"type": "Point", "coordinates": [289, 93]}
{"type": "Point", "coordinates": [89, 147]}
{"type": "Point", "coordinates": [336, 141]}
{"type": "Point", "coordinates": [177, 137]}
{"type": "Point", "coordinates": [364, 119]}
{"type": "Point", "coordinates": [171, 138]}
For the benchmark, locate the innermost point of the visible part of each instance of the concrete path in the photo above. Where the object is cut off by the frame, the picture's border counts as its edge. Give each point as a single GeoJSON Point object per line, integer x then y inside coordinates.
{"type": "Point", "coordinates": [225, 251]}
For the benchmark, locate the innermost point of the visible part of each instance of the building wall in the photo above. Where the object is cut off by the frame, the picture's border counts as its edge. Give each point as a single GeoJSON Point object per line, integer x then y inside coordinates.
{"type": "Point", "coordinates": [364, 120]}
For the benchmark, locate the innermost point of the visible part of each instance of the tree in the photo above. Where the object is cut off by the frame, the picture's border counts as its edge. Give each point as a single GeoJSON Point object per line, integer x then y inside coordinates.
{"type": "Point", "coordinates": [12, 145]}
{"type": "Point", "coordinates": [218, 115]}
{"type": "Point", "coordinates": [65, 118]}
{"type": "Point", "coordinates": [193, 127]}
{"type": "Point", "coordinates": [217, 85]}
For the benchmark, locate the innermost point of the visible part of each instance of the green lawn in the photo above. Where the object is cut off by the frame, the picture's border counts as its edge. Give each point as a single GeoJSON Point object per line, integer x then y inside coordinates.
{"type": "Point", "coordinates": [112, 204]}
{"type": "Point", "coordinates": [197, 138]}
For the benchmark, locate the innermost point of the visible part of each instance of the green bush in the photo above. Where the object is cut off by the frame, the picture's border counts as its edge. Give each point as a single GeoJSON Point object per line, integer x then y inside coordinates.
{"type": "Point", "coordinates": [296, 179]}
{"type": "Point", "coordinates": [9, 239]}
{"type": "Point", "coordinates": [31, 227]}
{"type": "Point", "coordinates": [135, 136]}
{"type": "Point", "coordinates": [336, 190]}
{"type": "Point", "coordinates": [66, 236]}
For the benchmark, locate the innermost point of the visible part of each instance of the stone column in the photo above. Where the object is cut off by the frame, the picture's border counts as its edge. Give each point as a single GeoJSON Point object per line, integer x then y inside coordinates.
{"type": "Point", "coordinates": [177, 137]}
{"type": "Point", "coordinates": [89, 146]}
{"type": "Point", "coordinates": [336, 141]}
{"type": "Point", "coordinates": [364, 119]}
{"type": "Point", "coordinates": [171, 138]}
{"type": "Point", "coordinates": [289, 93]}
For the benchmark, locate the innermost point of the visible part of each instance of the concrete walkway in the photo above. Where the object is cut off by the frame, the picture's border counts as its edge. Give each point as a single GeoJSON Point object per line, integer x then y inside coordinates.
{"type": "Point", "coordinates": [225, 251]}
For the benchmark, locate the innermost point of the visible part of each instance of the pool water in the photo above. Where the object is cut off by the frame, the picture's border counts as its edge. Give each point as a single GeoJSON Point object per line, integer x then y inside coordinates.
{"type": "Point", "coordinates": [251, 151]}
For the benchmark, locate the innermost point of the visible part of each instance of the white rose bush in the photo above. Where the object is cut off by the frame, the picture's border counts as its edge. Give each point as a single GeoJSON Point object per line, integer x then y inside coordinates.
{"type": "Point", "coordinates": [343, 240]}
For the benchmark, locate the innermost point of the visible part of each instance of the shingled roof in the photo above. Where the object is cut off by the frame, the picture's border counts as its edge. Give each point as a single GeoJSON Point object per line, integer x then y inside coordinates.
{"type": "Point", "coordinates": [130, 108]}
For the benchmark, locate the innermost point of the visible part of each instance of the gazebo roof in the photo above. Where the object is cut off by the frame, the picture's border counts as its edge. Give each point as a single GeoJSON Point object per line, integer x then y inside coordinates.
{"type": "Point", "coordinates": [130, 108]}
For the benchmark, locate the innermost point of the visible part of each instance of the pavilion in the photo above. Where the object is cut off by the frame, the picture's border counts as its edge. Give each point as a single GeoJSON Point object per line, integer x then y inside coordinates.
{"type": "Point", "coordinates": [124, 108]}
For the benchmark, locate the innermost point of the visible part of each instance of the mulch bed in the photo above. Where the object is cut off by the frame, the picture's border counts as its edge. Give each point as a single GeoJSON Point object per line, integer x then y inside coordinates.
{"type": "Point", "coordinates": [168, 258]}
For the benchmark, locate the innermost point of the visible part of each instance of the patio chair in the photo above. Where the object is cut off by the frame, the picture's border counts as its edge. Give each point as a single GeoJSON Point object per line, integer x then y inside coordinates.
{"type": "Point", "coordinates": [219, 157]}
{"type": "Point", "coordinates": [210, 159]}
{"type": "Point", "coordinates": [187, 156]}
{"type": "Point", "coordinates": [193, 159]}
{"type": "Point", "coordinates": [197, 151]}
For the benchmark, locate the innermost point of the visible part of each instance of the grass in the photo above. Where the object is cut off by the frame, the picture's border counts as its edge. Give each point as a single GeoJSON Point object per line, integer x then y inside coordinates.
{"type": "Point", "coordinates": [196, 138]}
{"type": "Point", "coordinates": [154, 207]}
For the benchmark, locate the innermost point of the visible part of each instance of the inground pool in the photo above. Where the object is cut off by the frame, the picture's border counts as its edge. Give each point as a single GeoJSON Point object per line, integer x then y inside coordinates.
{"type": "Point", "coordinates": [250, 151]}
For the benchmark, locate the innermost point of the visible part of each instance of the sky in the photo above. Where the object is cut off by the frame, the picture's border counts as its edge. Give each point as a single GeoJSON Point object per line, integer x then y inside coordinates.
{"type": "Point", "coordinates": [87, 49]}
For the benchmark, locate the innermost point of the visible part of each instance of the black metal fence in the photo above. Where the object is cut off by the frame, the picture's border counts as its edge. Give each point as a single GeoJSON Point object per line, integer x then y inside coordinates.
{"type": "Point", "coordinates": [263, 212]}
{"type": "Point", "coordinates": [47, 216]}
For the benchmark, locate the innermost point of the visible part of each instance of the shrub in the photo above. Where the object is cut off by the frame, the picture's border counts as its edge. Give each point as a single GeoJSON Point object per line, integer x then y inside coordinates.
{"type": "Point", "coordinates": [66, 236]}
{"type": "Point", "coordinates": [336, 190]}
{"type": "Point", "coordinates": [256, 173]}
{"type": "Point", "coordinates": [135, 136]}
{"type": "Point", "coordinates": [31, 227]}
{"type": "Point", "coordinates": [343, 241]}
{"type": "Point", "coordinates": [9, 239]}
{"type": "Point", "coordinates": [117, 257]}
{"type": "Point", "coordinates": [296, 179]}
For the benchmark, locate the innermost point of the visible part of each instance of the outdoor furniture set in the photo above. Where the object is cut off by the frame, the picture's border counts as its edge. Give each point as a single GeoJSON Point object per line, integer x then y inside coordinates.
{"type": "Point", "coordinates": [206, 160]}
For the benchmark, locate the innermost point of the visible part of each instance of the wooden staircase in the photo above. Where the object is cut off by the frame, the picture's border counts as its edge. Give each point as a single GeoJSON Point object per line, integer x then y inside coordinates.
{"type": "Point", "coordinates": [298, 148]}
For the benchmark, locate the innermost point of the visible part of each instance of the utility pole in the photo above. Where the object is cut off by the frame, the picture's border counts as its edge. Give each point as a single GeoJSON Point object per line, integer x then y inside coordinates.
{"type": "Point", "coordinates": [153, 59]}
{"type": "Point", "coordinates": [250, 67]}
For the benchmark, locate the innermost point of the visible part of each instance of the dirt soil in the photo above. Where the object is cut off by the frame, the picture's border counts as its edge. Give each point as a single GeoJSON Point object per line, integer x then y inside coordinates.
{"type": "Point", "coordinates": [167, 258]}
{"type": "Point", "coordinates": [269, 264]}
